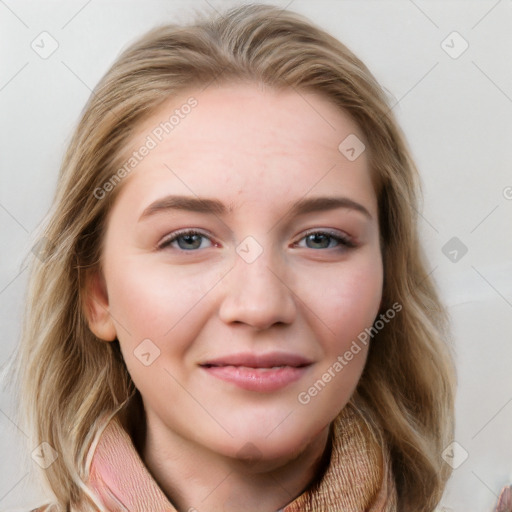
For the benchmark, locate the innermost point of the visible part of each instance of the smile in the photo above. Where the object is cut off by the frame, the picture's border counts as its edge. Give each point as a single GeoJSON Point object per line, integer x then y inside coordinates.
{"type": "Point", "coordinates": [262, 373]}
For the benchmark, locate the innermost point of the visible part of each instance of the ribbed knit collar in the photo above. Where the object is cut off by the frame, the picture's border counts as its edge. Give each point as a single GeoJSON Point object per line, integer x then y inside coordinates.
{"type": "Point", "coordinates": [357, 478]}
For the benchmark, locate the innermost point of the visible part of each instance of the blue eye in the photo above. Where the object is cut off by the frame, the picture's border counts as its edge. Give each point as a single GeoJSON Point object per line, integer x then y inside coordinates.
{"type": "Point", "coordinates": [189, 240]}
{"type": "Point", "coordinates": [325, 240]}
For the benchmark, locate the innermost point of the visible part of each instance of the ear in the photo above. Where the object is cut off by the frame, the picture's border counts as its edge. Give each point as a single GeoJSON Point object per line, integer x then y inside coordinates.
{"type": "Point", "coordinates": [96, 306]}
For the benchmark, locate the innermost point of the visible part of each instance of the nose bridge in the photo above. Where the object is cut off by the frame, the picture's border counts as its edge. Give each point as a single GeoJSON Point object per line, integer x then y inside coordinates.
{"type": "Point", "coordinates": [254, 292]}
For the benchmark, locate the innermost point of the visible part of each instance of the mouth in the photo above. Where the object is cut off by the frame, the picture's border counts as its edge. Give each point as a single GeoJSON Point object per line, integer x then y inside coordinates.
{"type": "Point", "coordinates": [250, 360]}
{"type": "Point", "coordinates": [258, 372]}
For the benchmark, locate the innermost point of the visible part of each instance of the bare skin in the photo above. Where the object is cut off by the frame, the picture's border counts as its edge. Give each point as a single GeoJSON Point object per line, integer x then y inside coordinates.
{"type": "Point", "coordinates": [300, 289]}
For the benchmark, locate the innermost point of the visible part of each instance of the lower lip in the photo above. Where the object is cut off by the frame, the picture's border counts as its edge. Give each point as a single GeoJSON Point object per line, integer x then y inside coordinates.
{"type": "Point", "coordinates": [257, 379]}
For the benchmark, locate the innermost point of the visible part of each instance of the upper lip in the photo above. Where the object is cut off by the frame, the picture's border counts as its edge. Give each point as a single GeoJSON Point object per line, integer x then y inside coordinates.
{"type": "Point", "coordinates": [252, 360]}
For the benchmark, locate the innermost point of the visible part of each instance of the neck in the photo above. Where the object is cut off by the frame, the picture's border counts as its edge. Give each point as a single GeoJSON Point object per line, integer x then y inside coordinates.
{"type": "Point", "coordinates": [196, 479]}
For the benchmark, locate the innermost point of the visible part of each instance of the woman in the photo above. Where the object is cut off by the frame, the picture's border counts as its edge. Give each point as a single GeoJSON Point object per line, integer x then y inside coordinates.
{"type": "Point", "coordinates": [234, 311]}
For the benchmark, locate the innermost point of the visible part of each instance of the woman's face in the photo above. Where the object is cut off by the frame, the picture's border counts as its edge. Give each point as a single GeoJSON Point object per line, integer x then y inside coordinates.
{"type": "Point", "coordinates": [235, 334]}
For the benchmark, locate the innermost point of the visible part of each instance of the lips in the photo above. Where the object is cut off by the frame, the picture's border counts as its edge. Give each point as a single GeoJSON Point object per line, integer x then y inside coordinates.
{"type": "Point", "coordinates": [250, 360]}
{"type": "Point", "coordinates": [258, 372]}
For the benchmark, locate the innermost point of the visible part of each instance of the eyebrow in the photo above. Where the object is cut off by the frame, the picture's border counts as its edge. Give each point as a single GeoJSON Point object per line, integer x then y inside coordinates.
{"type": "Point", "coordinates": [216, 207]}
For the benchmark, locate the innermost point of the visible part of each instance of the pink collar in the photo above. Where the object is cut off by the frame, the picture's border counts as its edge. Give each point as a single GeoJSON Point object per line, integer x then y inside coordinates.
{"type": "Point", "coordinates": [118, 475]}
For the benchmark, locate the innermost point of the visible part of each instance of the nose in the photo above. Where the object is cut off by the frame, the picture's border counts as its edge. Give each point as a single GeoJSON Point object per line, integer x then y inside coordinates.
{"type": "Point", "coordinates": [257, 294]}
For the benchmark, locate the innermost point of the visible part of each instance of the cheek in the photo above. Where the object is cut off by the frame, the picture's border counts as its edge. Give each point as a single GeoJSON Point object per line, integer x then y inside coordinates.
{"type": "Point", "coordinates": [150, 299]}
{"type": "Point", "coordinates": [137, 302]}
{"type": "Point", "coordinates": [346, 306]}
{"type": "Point", "coordinates": [159, 303]}
{"type": "Point", "coordinates": [346, 302]}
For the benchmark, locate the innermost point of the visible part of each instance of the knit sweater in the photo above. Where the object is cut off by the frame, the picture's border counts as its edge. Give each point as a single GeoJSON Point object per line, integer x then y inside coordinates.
{"type": "Point", "coordinates": [357, 479]}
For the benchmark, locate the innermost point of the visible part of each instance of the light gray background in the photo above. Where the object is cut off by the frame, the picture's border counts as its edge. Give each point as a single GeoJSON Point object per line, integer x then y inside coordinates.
{"type": "Point", "coordinates": [456, 113]}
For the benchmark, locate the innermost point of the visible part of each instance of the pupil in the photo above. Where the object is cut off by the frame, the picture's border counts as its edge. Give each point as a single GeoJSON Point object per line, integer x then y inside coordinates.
{"type": "Point", "coordinates": [190, 240]}
{"type": "Point", "coordinates": [318, 238]}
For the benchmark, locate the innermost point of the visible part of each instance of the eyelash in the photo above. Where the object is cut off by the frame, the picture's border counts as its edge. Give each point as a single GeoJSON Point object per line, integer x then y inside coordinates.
{"type": "Point", "coordinates": [343, 240]}
{"type": "Point", "coordinates": [166, 242]}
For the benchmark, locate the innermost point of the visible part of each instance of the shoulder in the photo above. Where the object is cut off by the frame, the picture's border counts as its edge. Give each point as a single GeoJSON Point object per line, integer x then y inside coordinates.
{"type": "Point", "coordinates": [505, 500]}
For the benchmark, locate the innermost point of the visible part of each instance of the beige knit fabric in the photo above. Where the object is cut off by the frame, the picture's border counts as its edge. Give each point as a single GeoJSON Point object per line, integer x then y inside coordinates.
{"type": "Point", "coordinates": [359, 476]}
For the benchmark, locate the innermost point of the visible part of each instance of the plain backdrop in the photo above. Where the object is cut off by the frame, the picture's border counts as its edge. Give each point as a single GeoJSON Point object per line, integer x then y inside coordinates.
{"type": "Point", "coordinates": [446, 66]}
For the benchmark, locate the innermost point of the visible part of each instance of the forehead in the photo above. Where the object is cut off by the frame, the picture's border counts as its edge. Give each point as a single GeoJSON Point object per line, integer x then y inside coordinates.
{"type": "Point", "coordinates": [257, 112]}
{"type": "Point", "coordinates": [252, 140]}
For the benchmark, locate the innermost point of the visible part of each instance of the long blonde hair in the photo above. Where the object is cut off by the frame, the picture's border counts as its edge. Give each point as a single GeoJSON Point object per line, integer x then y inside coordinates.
{"type": "Point", "coordinates": [67, 379]}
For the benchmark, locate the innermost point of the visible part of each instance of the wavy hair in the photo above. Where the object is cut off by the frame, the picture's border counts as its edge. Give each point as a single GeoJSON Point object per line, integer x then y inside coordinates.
{"type": "Point", "coordinates": [67, 380]}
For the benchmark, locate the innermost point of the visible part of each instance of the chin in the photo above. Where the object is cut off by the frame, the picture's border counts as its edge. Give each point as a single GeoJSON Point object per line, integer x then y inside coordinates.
{"type": "Point", "coordinates": [281, 446]}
